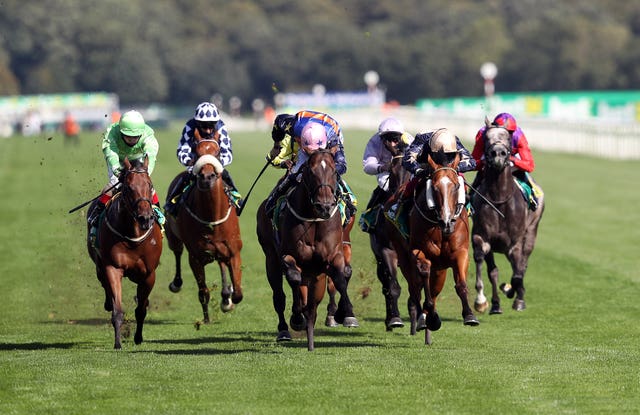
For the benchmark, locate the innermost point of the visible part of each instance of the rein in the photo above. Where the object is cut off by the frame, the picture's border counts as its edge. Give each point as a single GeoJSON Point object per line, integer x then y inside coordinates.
{"type": "Point", "coordinates": [117, 233]}
{"type": "Point", "coordinates": [304, 219]}
{"type": "Point", "coordinates": [207, 223]}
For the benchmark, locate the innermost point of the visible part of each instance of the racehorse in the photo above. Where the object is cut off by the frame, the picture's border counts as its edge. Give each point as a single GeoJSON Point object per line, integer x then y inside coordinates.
{"type": "Point", "coordinates": [383, 251]}
{"type": "Point", "coordinates": [438, 240]}
{"type": "Point", "coordinates": [307, 247]}
{"type": "Point", "coordinates": [512, 231]}
{"type": "Point", "coordinates": [128, 244]}
{"type": "Point", "coordinates": [207, 224]}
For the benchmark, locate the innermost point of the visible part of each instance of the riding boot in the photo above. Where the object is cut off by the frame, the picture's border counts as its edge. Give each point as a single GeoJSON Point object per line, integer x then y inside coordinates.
{"type": "Point", "coordinates": [232, 191]}
{"type": "Point", "coordinates": [279, 191]}
{"type": "Point", "coordinates": [171, 203]}
{"type": "Point", "coordinates": [349, 198]}
{"type": "Point", "coordinates": [93, 219]}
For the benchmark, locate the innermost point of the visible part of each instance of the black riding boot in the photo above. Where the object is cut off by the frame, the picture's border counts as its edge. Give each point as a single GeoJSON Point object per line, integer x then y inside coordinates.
{"type": "Point", "coordinates": [280, 190]}
{"type": "Point", "coordinates": [233, 193]}
{"type": "Point", "coordinates": [171, 203]}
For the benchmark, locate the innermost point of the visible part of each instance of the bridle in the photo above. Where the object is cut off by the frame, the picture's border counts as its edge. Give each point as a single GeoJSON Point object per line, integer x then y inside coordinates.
{"type": "Point", "coordinates": [313, 189]}
{"type": "Point", "coordinates": [439, 220]}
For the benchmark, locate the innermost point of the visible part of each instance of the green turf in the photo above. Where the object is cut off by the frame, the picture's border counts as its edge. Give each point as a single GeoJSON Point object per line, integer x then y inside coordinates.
{"type": "Point", "coordinates": [575, 349]}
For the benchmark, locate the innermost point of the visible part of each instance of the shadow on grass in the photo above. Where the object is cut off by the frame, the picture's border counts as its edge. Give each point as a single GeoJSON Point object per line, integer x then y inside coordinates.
{"type": "Point", "coordinates": [36, 346]}
{"type": "Point", "coordinates": [105, 320]}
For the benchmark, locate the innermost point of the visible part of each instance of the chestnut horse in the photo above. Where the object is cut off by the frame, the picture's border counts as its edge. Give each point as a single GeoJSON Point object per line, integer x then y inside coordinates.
{"type": "Point", "coordinates": [207, 224]}
{"type": "Point", "coordinates": [438, 240]}
{"type": "Point", "coordinates": [512, 231]}
{"type": "Point", "coordinates": [307, 247]}
{"type": "Point", "coordinates": [128, 244]}
{"type": "Point", "coordinates": [383, 251]}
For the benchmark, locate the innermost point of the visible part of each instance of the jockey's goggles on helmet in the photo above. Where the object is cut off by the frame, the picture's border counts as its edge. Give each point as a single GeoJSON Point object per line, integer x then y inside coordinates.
{"type": "Point", "coordinates": [130, 139]}
{"type": "Point", "coordinates": [391, 136]}
{"type": "Point", "coordinates": [206, 125]}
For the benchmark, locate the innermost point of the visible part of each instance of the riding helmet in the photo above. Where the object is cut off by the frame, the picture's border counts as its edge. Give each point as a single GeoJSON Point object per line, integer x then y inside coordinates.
{"type": "Point", "coordinates": [206, 111]}
{"type": "Point", "coordinates": [131, 123]}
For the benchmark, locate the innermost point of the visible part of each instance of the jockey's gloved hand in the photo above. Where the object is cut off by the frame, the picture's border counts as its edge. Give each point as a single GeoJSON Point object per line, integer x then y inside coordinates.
{"type": "Point", "coordinates": [286, 164]}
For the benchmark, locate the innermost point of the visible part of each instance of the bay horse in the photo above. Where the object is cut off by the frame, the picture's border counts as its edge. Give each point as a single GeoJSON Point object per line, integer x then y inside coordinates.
{"type": "Point", "coordinates": [207, 224]}
{"type": "Point", "coordinates": [382, 248]}
{"type": "Point", "coordinates": [511, 232]}
{"type": "Point", "coordinates": [438, 240]}
{"type": "Point", "coordinates": [307, 247]}
{"type": "Point", "coordinates": [332, 306]}
{"type": "Point", "coordinates": [128, 244]}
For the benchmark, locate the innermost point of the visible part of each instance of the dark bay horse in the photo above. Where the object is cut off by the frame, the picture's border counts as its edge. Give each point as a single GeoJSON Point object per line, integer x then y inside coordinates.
{"type": "Point", "coordinates": [438, 240]}
{"type": "Point", "coordinates": [307, 248]}
{"type": "Point", "coordinates": [383, 251]}
{"type": "Point", "coordinates": [511, 232]}
{"type": "Point", "coordinates": [207, 224]}
{"type": "Point", "coordinates": [332, 307]}
{"type": "Point", "coordinates": [128, 244]}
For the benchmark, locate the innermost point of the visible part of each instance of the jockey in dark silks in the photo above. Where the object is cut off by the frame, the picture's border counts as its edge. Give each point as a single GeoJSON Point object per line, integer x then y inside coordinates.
{"type": "Point", "coordinates": [521, 157]}
{"type": "Point", "coordinates": [442, 145]}
{"type": "Point", "coordinates": [297, 135]}
{"type": "Point", "coordinates": [209, 125]}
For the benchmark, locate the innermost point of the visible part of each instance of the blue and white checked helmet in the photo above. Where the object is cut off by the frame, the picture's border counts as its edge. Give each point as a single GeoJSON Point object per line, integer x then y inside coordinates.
{"type": "Point", "coordinates": [206, 111]}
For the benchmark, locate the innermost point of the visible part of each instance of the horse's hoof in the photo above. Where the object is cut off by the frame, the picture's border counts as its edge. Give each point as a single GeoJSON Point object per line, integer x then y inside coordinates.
{"type": "Point", "coordinates": [284, 336]}
{"type": "Point", "coordinates": [175, 288]}
{"type": "Point", "coordinates": [330, 321]}
{"type": "Point", "coordinates": [395, 323]}
{"type": "Point", "coordinates": [226, 305]}
{"type": "Point", "coordinates": [518, 305]}
{"type": "Point", "coordinates": [507, 289]}
{"type": "Point", "coordinates": [350, 322]}
{"type": "Point", "coordinates": [481, 307]}
{"type": "Point", "coordinates": [298, 323]}
{"type": "Point", "coordinates": [433, 322]}
{"type": "Point", "coordinates": [422, 323]}
{"type": "Point", "coordinates": [495, 309]}
{"type": "Point", "coordinates": [471, 320]}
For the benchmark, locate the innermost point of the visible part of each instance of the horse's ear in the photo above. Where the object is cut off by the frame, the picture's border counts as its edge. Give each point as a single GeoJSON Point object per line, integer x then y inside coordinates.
{"type": "Point", "coordinates": [146, 161]}
{"type": "Point", "coordinates": [333, 150]}
{"type": "Point", "coordinates": [487, 123]}
{"type": "Point", "coordinates": [127, 163]}
{"type": "Point", "coordinates": [196, 135]}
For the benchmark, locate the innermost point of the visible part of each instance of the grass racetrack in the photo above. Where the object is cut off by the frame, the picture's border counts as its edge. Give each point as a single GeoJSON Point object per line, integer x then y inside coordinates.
{"type": "Point", "coordinates": [574, 350]}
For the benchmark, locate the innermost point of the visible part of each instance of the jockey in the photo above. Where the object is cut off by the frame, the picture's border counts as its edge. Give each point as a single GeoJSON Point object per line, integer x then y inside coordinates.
{"type": "Point", "coordinates": [210, 126]}
{"type": "Point", "coordinates": [128, 138]}
{"type": "Point", "coordinates": [291, 148]}
{"type": "Point", "coordinates": [521, 157]}
{"type": "Point", "coordinates": [442, 145]}
{"type": "Point", "coordinates": [377, 158]}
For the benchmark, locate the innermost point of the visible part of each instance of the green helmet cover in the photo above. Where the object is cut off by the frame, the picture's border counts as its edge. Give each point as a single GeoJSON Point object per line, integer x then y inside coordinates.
{"type": "Point", "coordinates": [132, 123]}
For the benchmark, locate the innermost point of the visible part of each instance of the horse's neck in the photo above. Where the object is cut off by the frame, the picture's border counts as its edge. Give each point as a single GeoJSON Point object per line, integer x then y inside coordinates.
{"type": "Point", "coordinates": [210, 203]}
{"type": "Point", "coordinates": [122, 219]}
{"type": "Point", "coordinates": [499, 182]}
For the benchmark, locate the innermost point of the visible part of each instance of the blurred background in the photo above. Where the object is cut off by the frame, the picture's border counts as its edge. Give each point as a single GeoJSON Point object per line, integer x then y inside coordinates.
{"type": "Point", "coordinates": [569, 71]}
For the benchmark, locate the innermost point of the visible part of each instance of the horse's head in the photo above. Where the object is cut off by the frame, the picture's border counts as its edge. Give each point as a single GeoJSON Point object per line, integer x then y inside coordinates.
{"type": "Point", "coordinates": [137, 191]}
{"type": "Point", "coordinates": [207, 166]}
{"type": "Point", "coordinates": [321, 181]}
{"type": "Point", "coordinates": [445, 193]}
{"type": "Point", "coordinates": [497, 146]}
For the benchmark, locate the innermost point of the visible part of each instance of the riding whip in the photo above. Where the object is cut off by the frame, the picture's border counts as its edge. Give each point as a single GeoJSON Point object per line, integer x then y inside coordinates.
{"type": "Point", "coordinates": [485, 199]}
{"type": "Point", "coordinates": [244, 203]}
{"type": "Point", "coordinates": [89, 201]}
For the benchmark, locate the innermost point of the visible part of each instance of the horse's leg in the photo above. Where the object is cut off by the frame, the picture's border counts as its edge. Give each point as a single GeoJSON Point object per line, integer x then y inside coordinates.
{"type": "Point", "coordinates": [177, 247]}
{"type": "Point", "coordinates": [226, 304]}
{"type": "Point", "coordinates": [519, 266]}
{"type": "Point", "coordinates": [114, 278]}
{"type": "Point", "coordinates": [332, 307]}
{"type": "Point", "coordinates": [274, 277]}
{"type": "Point", "coordinates": [344, 314]}
{"type": "Point", "coordinates": [294, 278]}
{"type": "Point", "coordinates": [460, 279]}
{"type": "Point", "coordinates": [480, 304]}
{"type": "Point", "coordinates": [143, 291]}
{"type": "Point", "coordinates": [203, 291]}
{"type": "Point", "coordinates": [494, 277]}
{"type": "Point", "coordinates": [429, 318]}
{"type": "Point", "coordinates": [235, 266]}
{"type": "Point", "coordinates": [387, 272]}
{"type": "Point", "coordinates": [314, 297]}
